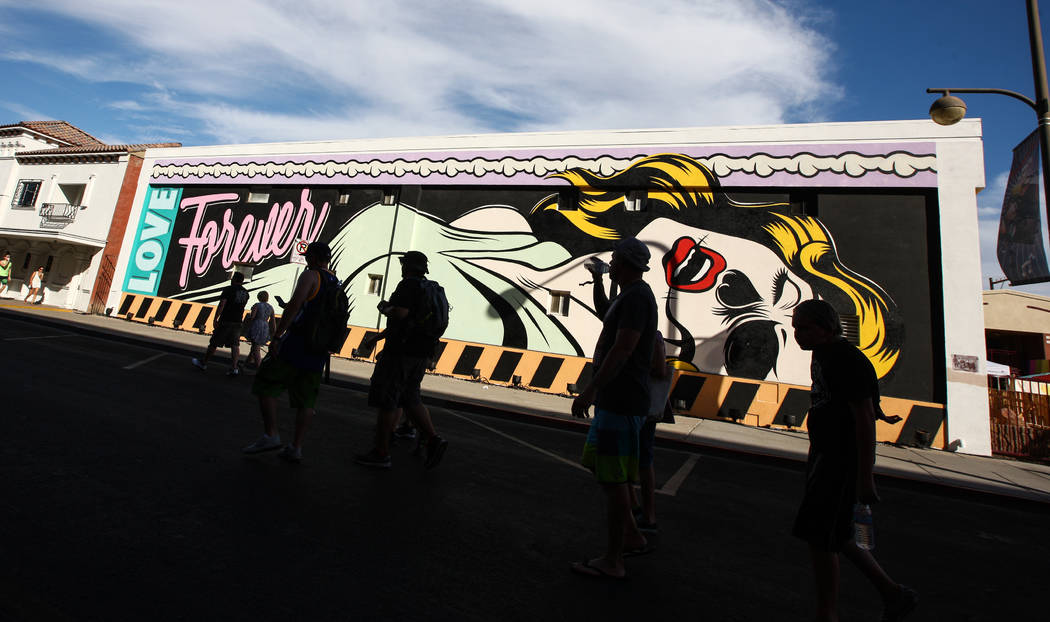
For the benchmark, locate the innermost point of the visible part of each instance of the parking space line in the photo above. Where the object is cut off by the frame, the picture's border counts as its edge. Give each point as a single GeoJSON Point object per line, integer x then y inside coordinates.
{"type": "Point", "coordinates": [37, 337]}
{"type": "Point", "coordinates": [144, 361]}
{"type": "Point", "coordinates": [671, 487]}
{"type": "Point", "coordinates": [574, 465]}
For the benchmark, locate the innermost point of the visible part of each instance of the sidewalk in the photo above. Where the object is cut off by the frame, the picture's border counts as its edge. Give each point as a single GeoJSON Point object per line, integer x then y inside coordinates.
{"type": "Point", "coordinates": [963, 473]}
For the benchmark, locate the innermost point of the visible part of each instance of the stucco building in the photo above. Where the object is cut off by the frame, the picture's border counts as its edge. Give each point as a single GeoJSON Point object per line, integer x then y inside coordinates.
{"type": "Point", "coordinates": [64, 201]}
{"type": "Point", "coordinates": [1017, 330]}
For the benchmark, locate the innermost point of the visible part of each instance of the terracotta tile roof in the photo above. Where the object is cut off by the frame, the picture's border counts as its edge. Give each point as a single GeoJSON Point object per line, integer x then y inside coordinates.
{"type": "Point", "coordinates": [59, 130]}
{"type": "Point", "coordinates": [99, 148]}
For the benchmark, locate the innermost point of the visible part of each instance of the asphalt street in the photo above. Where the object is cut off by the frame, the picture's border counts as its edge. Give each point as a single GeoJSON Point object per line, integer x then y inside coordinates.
{"type": "Point", "coordinates": [125, 497]}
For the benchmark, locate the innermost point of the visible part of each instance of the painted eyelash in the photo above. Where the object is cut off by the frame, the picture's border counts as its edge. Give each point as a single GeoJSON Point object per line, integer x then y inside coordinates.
{"type": "Point", "coordinates": [733, 315]}
{"type": "Point", "coordinates": [779, 282]}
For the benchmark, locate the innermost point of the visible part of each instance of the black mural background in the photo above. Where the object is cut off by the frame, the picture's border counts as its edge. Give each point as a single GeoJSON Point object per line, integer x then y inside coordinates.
{"type": "Point", "coordinates": [880, 236]}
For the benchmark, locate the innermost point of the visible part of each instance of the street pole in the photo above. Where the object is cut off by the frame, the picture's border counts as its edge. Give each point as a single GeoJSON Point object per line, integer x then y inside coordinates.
{"type": "Point", "coordinates": [1042, 98]}
{"type": "Point", "coordinates": [950, 109]}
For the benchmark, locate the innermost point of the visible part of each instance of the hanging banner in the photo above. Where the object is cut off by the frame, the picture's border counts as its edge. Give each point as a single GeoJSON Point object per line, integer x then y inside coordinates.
{"type": "Point", "coordinates": [1020, 249]}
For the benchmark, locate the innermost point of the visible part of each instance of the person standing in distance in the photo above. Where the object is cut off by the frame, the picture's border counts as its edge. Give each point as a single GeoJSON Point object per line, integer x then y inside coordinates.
{"type": "Point", "coordinates": [619, 391]}
{"type": "Point", "coordinates": [226, 325]}
{"type": "Point", "coordinates": [290, 365]}
{"type": "Point", "coordinates": [400, 368]}
{"type": "Point", "coordinates": [839, 473]}
{"type": "Point", "coordinates": [36, 286]}
{"type": "Point", "coordinates": [5, 272]}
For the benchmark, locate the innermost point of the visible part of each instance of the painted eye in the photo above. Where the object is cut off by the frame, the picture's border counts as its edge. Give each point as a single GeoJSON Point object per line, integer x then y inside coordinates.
{"type": "Point", "coordinates": [737, 290]}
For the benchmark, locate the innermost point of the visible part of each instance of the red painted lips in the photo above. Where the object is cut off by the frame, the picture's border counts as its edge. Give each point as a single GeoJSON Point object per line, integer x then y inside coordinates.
{"type": "Point", "coordinates": [690, 267]}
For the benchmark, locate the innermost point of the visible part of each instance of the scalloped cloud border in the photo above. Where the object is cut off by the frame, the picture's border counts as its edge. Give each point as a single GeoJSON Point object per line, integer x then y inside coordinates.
{"type": "Point", "coordinates": [851, 163]}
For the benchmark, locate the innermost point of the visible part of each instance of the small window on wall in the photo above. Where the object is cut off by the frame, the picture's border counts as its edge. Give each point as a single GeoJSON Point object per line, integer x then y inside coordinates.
{"type": "Point", "coordinates": [375, 284]}
{"type": "Point", "coordinates": [25, 264]}
{"type": "Point", "coordinates": [244, 268]}
{"type": "Point", "coordinates": [344, 198]}
{"type": "Point", "coordinates": [851, 328]}
{"type": "Point", "coordinates": [559, 303]}
{"type": "Point", "coordinates": [634, 201]}
{"type": "Point", "coordinates": [258, 195]}
{"type": "Point", "coordinates": [50, 261]}
{"type": "Point", "coordinates": [26, 193]}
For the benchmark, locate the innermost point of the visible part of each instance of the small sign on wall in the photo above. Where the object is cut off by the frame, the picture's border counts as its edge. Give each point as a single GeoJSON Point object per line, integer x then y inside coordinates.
{"type": "Point", "coordinates": [296, 256]}
{"type": "Point", "coordinates": [963, 362]}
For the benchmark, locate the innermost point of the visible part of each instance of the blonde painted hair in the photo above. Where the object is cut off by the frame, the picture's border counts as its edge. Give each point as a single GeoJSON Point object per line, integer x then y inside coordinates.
{"type": "Point", "coordinates": [685, 186]}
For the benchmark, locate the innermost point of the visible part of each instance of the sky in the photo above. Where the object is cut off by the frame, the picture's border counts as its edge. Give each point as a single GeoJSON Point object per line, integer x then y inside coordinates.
{"type": "Point", "coordinates": [244, 71]}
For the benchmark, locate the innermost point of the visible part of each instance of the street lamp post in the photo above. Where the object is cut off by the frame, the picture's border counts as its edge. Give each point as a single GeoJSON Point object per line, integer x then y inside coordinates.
{"type": "Point", "coordinates": [949, 109]}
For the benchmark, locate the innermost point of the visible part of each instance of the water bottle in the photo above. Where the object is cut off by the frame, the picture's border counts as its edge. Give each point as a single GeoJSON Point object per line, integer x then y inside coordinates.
{"type": "Point", "coordinates": [598, 266]}
{"type": "Point", "coordinates": [863, 529]}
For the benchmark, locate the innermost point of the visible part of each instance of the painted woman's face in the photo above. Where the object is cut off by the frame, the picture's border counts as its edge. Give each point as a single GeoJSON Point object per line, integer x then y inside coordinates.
{"type": "Point", "coordinates": [728, 302]}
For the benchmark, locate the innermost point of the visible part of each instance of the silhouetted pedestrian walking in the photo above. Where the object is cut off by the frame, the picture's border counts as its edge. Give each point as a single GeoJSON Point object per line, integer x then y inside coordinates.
{"type": "Point", "coordinates": [839, 474]}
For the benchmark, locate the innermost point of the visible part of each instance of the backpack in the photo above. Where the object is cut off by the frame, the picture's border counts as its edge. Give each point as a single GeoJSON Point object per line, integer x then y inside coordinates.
{"type": "Point", "coordinates": [431, 318]}
{"type": "Point", "coordinates": [325, 328]}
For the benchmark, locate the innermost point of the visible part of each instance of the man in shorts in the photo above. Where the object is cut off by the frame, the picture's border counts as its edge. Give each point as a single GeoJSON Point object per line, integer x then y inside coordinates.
{"type": "Point", "coordinates": [400, 368]}
{"type": "Point", "coordinates": [619, 391]}
{"type": "Point", "coordinates": [226, 325]}
{"type": "Point", "coordinates": [290, 365]}
{"type": "Point", "coordinates": [841, 427]}
{"type": "Point", "coordinates": [5, 272]}
{"type": "Point", "coordinates": [644, 503]}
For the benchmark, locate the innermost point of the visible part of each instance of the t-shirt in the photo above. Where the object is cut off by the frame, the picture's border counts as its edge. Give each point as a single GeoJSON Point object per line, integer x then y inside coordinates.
{"type": "Point", "coordinates": [403, 337]}
{"type": "Point", "coordinates": [5, 269]}
{"type": "Point", "coordinates": [236, 298]}
{"type": "Point", "coordinates": [634, 309]}
{"type": "Point", "coordinates": [841, 374]}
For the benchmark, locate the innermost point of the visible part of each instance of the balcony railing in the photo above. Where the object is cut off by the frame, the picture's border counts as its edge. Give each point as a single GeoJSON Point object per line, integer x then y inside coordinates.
{"type": "Point", "coordinates": [57, 215]}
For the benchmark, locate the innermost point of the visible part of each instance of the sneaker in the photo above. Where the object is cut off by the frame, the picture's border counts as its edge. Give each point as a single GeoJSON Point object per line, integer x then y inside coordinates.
{"type": "Point", "coordinates": [265, 443]}
{"type": "Point", "coordinates": [404, 431]}
{"type": "Point", "coordinates": [291, 454]}
{"type": "Point", "coordinates": [198, 364]}
{"type": "Point", "coordinates": [436, 447]}
{"type": "Point", "coordinates": [900, 605]}
{"type": "Point", "coordinates": [233, 372]}
{"type": "Point", "coordinates": [372, 459]}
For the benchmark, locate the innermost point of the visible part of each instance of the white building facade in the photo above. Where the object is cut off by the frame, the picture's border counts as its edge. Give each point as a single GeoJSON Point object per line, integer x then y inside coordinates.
{"type": "Point", "coordinates": [60, 189]}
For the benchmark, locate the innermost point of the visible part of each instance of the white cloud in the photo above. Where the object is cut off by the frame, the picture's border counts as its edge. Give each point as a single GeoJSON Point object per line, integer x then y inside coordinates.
{"type": "Point", "coordinates": [362, 68]}
{"type": "Point", "coordinates": [128, 105]}
{"type": "Point", "coordinates": [25, 113]}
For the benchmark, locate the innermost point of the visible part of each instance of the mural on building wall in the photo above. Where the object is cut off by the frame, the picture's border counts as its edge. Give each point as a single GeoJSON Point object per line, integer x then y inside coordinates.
{"type": "Point", "coordinates": [727, 271]}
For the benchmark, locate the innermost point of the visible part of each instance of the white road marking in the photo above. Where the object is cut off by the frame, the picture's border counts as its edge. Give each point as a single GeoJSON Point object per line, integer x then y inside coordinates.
{"type": "Point", "coordinates": [143, 362]}
{"type": "Point", "coordinates": [37, 337]}
{"type": "Point", "coordinates": [673, 484]}
{"type": "Point", "coordinates": [574, 465]}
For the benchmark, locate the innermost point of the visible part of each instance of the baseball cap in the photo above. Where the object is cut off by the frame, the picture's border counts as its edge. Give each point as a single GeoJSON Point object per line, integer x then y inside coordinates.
{"type": "Point", "coordinates": [319, 250]}
{"type": "Point", "coordinates": [633, 252]}
{"type": "Point", "coordinates": [415, 259]}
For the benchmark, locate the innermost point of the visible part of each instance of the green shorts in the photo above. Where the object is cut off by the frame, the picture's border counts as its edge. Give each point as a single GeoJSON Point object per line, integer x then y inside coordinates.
{"type": "Point", "coordinates": [275, 375]}
{"type": "Point", "coordinates": [611, 448]}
